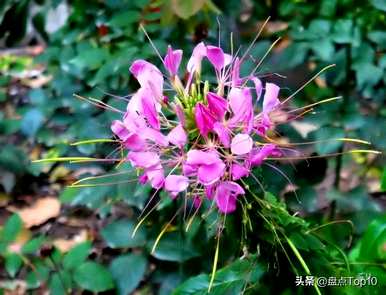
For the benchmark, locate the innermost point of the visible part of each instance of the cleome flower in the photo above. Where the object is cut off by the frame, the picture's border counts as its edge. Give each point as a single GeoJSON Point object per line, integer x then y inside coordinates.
{"type": "Point", "coordinates": [218, 136]}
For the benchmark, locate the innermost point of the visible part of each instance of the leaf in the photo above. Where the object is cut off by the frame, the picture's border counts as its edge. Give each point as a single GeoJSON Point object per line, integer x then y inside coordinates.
{"type": "Point", "coordinates": [379, 4]}
{"type": "Point", "coordinates": [93, 277]}
{"type": "Point", "coordinates": [128, 271]}
{"type": "Point", "coordinates": [76, 255]}
{"type": "Point", "coordinates": [13, 262]}
{"type": "Point", "coordinates": [186, 8]}
{"type": "Point", "coordinates": [118, 234]}
{"type": "Point", "coordinates": [32, 246]}
{"type": "Point", "coordinates": [374, 240]}
{"type": "Point", "coordinates": [31, 122]}
{"type": "Point", "coordinates": [124, 19]}
{"type": "Point", "coordinates": [343, 31]}
{"type": "Point", "coordinates": [328, 133]}
{"type": "Point", "coordinates": [11, 229]}
{"type": "Point", "coordinates": [228, 280]}
{"type": "Point", "coordinates": [60, 284]}
{"type": "Point", "coordinates": [367, 74]}
{"type": "Point", "coordinates": [172, 247]}
{"type": "Point", "coordinates": [42, 210]}
{"type": "Point", "coordinates": [383, 181]}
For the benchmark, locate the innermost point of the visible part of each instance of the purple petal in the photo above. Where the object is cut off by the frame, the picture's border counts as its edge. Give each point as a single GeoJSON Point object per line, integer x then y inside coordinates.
{"type": "Point", "coordinates": [189, 170]}
{"type": "Point", "coordinates": [172, 60]}
{"type": "Point", "coordinates": [210, 191]}
{"type": "Point", "coordinates": [217, 105]}
{"type": "Point", "coordinates": [194, 63]}
{"type": "Point", "coordinates": [215, 56]}
{"type": "Point", "coordinates": [150, 113]}
{"type": "Point", "coordinates": [236, 81]}
{"type": "Point", "coordinates": [209, 174]}
{"type": "Point", "coordinates": [223, 134]}
{"type": "Point", "coordinates": [204, 119]}
{"type": "Point", "coordinates": [260, 155]}
{"type": "Point", "coordinates": [238, 171]}
{"type": "Point", "coordinates": [240, 101]}
{"type": "Point", "coordinates": [155, 175]}
{"type": "Point", "coordinates": [198, 157]}
{"type": "Point", "coordinates": [197, 202]}
{"type": "Point", "coordinates": [143, 159]}
{"type": "Point", "coordinates": [226, 196]}
{"type": "Point", "coordinates": [154, 136]}
{"type": "Point", "coordinates": [177, 136]}
{"type": "Point", "coordinates": [241, 144]}
{"type": "Point", "coordinates": [135, 143]}
{"type": "Point", "coordinates": [270, 97]}
{"type": "Point", "coordinates": [120, 130]}
{"type": "Point", "coordinates": [258, 87]}
{"type": "Point", "coordinates": [148, 76]}
{"type": "Point", "coordinates": [180, 114]}
{"type": "Point", "coordinates": [176, 183]}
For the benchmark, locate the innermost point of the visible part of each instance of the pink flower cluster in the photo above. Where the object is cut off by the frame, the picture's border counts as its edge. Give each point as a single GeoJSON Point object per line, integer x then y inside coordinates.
{"type": "Point", "coordinates": [212, 141]}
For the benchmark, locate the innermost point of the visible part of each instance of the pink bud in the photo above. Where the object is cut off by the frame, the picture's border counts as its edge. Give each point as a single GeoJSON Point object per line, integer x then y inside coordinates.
{"type": "Point", "coordinates": [204, 119]}
{"type": "Point", "coordinates": [216, 105]}
{"type": "Point", "coordinates": [172, 60]}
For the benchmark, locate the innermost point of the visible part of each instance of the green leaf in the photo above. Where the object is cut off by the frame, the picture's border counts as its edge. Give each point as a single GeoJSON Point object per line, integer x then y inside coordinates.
{"type": "Point", "coordinates": [328, 133]}
{"type": "Point", "coordinates": [373, 240]}
{"type": "Point", "coordinates": [172, 247]}
{"type": "Point", "coordinates": [32, 246]}
{"type": "Point", "coordinates": [379, 4]}
{"type": "Point", "coordinates": [186, 8]}
{"type": "Point", "coordinates": [128, 271]}
{"type": "Point", "coordinates": [60, 284]}
{"type": "Point", "coordinates": [228, 280]}
{"type": "Point", "coordinates": [93, 277]}
{"type": "Point", "coordinates": [367, 74]}
{"type": "Point", "coordinates": [383, 181]}
{"type": "Point", "coordinates": [11, 229]}
{"type": "Point", "coordinates": [76, 255]}
{"type": "Point", "coordinates": [31, 122]}
{"type": "Point", "coordinates": [13, 262]}
{"type": "Point", "coordinates": [343, 31]}
{"type": "Point", "coordinates": [118, 234]}
{"type": "Point", "coordinates": [124, 19]}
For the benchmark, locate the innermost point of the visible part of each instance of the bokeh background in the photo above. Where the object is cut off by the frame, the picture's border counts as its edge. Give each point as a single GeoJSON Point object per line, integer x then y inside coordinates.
{"type": "Point", "coordinates": [78, 238]}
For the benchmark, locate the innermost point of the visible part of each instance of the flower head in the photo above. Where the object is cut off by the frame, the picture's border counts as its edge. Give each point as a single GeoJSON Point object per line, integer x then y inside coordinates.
{"type": "Point", "coordinates": [216, 137]}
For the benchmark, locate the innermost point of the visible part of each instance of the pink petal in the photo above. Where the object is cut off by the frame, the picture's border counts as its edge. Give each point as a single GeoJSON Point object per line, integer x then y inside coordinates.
{"type": "Point", "coordinates": [241, 144]}
{"type": "Point", "coordinates": [240, 101]}
{"type": "Point", "coordinates": [210, 191]}
{"type": "Point", "coordinates": [143, 159]}
{"type": "Point", "coordinates": [150, 113]}
{"type": "Point", "coordinates": [177, 136]}
{"type": "Point", "coordinates": [260, 155]}
{"type": "Point", "coordinates": [223, 134]}
{"type": "Point", "coordinates": [180, 114]}
{"type": "Point", "coordinates": [209, 174]}
{"type": "Point", "coordinates": [198, 157]}
{"type": "Point", "coordinates": [197, 202]}
{"type": "Point", "coordinates": [172, 60]}
{"type": "Point", "coordinates": [236, 81]}
{"type": "Point", "coordinates": [215, 56]}
{"type": "Point", "coordinates": [270, 97]}
{"type": "Point", "coordinates": [135, 143]}
{"type": "Point", "coordinates": [194, 63]}
{"type": "Point", "coordinates": [216, 105]}
{"type": "Point", "coordinates": [204, 119]}
{"type": "Point", "coordinates": [189, 170]}
{"type": "Point", "coordinates": [120, 130]}
{"type": "Point", "coordinates": [258, 87]}
{"type": "Point", "coordinates": [238, 171]}
{"type": "Point", "coordinates": [148, 76]}
{"type": "Point", "coordinates": [154, 136]}
{"type": "Point", "coordinates": [226, 196]}
{"type": "Point", "coordinates": [176, 183]}
{"type": "Point", "coordinates": [155, 175]}
{"type": "Point", "coordinates": [264, 125]}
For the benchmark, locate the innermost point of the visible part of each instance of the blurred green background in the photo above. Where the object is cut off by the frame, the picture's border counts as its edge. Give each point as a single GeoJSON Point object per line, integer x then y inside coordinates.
{"type": "Point", "coordinates": [51, 50]}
